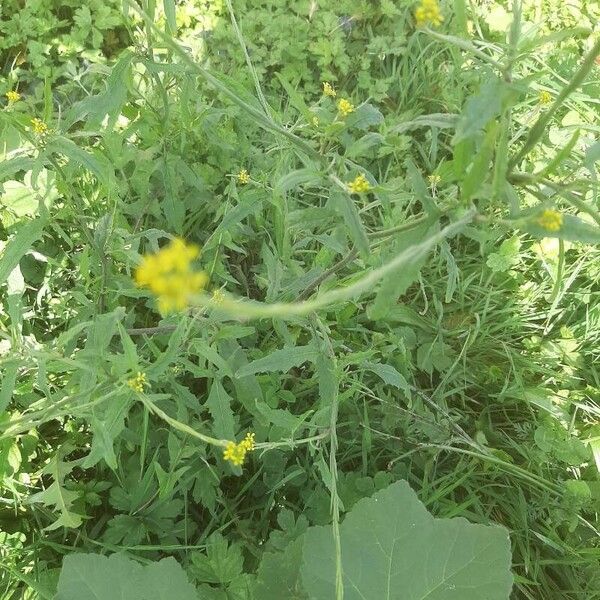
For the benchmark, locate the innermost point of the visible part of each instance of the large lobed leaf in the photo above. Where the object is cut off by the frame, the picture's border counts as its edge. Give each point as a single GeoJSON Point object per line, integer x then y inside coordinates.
{"type": "Point", "coordinates": [393, 549]}
{"type": "Point", "coordinates": [96, 577]}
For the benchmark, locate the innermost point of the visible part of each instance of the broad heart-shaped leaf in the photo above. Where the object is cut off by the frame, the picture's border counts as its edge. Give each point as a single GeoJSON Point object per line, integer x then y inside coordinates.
{"type": "Point", "coordinates": [393, 549]}
{"type": "Point", "coordinates": [97, 577]}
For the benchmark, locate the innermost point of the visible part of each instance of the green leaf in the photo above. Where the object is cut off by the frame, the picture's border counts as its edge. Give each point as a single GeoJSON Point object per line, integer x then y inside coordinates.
{"type": "Point", "coordinates": [221, 564]}
{"type": "Point", "coordinates": [296, 99]}
{"type": "Point", "coordinates": [280, 360]}
{"type": "Point", "coordinates": [169, 6]}
{"type": "Point", "coordinates": [435, 355]}
{"type": "Point", "coordinates": [480, 109]}
{"type": "Point", "coordinates": [365, 116]}
{"type": "Point", "coordinates": [278, 575]}
{"type": "Point", "coordinates": [55, 496]}
{"type": "Point", "coordinates": [219, 406]}
{"type": "Point", "coordinates": [96, 577]}
{"type": "Point", "coordinates": [14, 165]}
{"type": "Point", "coordinates": [390, 375]}
{"type": "Point", "coordinates": [94, 109]}
{"type": "Point", "coordinates": [420, 188]}
{"type": "Point", "coordinates": [74, 153]}
{"type": "Point", "coordinates": [293, 179]}
{"type": "Point", "coordinates": [393, 549]}
{"type": "Point", "coordinates": [396, 284]}
{"type": "Point", "coordinates": [344, 204]}
{"type": "Point", "coordinates": [479, 170]}
{"type": "Point", "coordinates": [19, 245]}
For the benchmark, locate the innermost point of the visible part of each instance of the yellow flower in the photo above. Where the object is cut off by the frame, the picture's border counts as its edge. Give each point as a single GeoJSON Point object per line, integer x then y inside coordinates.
{"type": "Point", "coordinates": [243, 177]}
{"type": "Point", "coordinates": [218, 296]}
{"type": "Point", "coordinates": [315, 121]}
{"type": "Point", "coordinates": [434, 179]}
{"type": "Point", "coordinates": [550, 220]}
{"type": "Point", "coordinates": [545, 97]}
{"type": "Point", "coordinates": [168, 275]}
{"type": "Point", "coordinates": [345, 107]}
{"type": "Point", "coordinates": [39, 126]}
{"type": "Point", "coordinates": [359, 185]}
{"type": "Point", "coordinates": [428, 12]}
{"type": "Point", "coordinates": [236, 453]}
{"type": "Point", "coordinates": [329, 90]}
{"type": "Point", "coordinates": [13, 96]}
{"type": "Point", "coordinates": [138, 382]}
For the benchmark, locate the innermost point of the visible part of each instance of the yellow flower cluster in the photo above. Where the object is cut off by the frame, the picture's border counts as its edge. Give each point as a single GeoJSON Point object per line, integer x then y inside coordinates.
{"type": "Point", "coordinates": [345, 107]}
{"type": "Point", "coordinates": [12, 96]}
{"type": "Point", "coordinates": [329, 90]}
{"type": "Point", "coordinates": [359, 185]}
{"type": "Point", "coordinates": [236, 453]}
{"type": "Point", "coordinates": [218, 296]}
{"type": "Point", "coordinates": [39, 126]}
{"type": "Point", "coordinates": [315, 121]}
{"type": "Point", "coordinates": [550, 220]}
{"type": "Point", "coordinates": [428, 13]}
{"type": "Point", "coordinates": [545, 97]}
{"type": "Point", "coordinates": [138, 382]}
{"type": "Point", "coordinates": [169, 276]}
{"type": "Point", "coordinates": [243, 177]}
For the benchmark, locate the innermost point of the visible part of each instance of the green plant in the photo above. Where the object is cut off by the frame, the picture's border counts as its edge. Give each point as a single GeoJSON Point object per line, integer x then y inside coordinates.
{"type": "Point", "coordinates": [400, 288]}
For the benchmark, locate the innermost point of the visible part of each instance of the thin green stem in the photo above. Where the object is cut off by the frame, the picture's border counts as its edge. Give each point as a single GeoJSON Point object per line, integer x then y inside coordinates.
{"type": "Point", "coordinates": [247, 309]}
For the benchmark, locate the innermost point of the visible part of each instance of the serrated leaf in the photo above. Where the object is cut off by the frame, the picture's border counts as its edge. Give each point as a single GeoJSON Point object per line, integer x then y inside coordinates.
{"type": "Point", "coordinates": [280, 360]}
{"type": "Point", "coordinates": [55, 496]}
{"type": "Point", "coordinates": [94, 109]}
{"type": "Point", "coordinates": [393, 549]}
{"type": "Point", "coordinates": [221, 564]}
{"type": "Point", "coordinates": [219, 406]}
{"type": "Point", "coordinates": [96, 577]}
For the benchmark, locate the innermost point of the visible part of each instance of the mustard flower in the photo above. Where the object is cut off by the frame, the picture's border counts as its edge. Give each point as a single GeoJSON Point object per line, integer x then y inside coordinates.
{"type": "Point", "coordinates": [545, 97]}
{"type": "Point", "coordinates": [13, 96]}
{"type": "Point", "coordinates": [329, 90]}
{"type": "Point", "coordinates": [217, 296]}
{"type": "Point", "coordinates": [169, 276]}
{"type": "Point", "coordinates": [359, 185]}
{"type": "Point", "coordinates": [550, 220]}
{"type": "Point", "coordinates": [236, 453]}
{"type": "Point", "coordinates": [38, 126]}
{"type": "Point", "coordinates": [428, 12]}
{"type": "Point", "coordinates": [345, 107]}
{"type": "Point", "coordinates": [138, 382]}
{"type": "Point", "coordinates": [243, 177]}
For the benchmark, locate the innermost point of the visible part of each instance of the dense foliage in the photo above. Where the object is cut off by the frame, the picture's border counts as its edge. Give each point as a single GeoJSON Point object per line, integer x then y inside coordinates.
{"type": "Point", "coordinates": [267, 264]}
